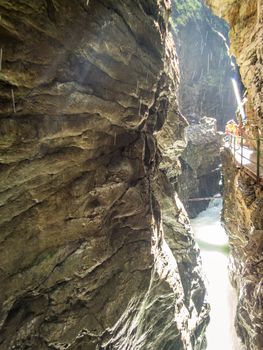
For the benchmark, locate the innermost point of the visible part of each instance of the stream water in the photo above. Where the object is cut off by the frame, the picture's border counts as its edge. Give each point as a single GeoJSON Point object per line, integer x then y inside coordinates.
{"type": "Point", "coordinates": [213, 243]}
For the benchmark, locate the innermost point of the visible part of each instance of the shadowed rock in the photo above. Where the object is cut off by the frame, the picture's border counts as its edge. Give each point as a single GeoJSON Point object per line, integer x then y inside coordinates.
{"type": "Point", "coordinates": [85, 263]}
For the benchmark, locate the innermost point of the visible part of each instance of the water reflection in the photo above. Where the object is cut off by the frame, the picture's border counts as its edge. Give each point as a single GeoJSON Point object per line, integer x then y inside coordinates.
{"type": "Point", "coordinates": [213, 243]}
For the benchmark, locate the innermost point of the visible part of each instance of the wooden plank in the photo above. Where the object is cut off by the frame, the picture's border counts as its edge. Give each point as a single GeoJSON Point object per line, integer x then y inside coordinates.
{"type": "Point", "coordinates": [202, 199]}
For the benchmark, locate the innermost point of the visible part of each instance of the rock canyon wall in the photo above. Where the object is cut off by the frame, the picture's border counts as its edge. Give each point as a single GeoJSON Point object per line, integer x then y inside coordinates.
{"type": "Point", "coordinates": [201, 166]}
{"type": "Point", "coordinates": [96, 251]}
{"type": "Point", "coordinates": [243, 203]}
{"type": "Point", "coordinates": [202, 44]}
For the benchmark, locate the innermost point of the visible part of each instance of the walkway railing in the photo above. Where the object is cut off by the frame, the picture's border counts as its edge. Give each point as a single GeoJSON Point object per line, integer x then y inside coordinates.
{"type": "Point", "coordinates": [248, 153]}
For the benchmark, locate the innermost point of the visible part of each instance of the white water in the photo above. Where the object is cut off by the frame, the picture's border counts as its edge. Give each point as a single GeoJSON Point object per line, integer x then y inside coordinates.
{"type": "Point", "coordinates": [213, 241]}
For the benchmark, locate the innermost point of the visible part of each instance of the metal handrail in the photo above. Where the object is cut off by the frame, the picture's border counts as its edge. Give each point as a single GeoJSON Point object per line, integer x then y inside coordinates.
{"type": "Point", "coordinates": [242, 136]}
{"type": "Point", "coordinates": [259, 142]}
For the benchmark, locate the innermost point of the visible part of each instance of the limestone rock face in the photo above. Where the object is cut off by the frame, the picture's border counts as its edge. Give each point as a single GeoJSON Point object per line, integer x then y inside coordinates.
{"type": "Point", "coordinates": [245, 19]}
{"type": "Point", "coordinates": [243, 219]}
{"type": "Point", "coordinates": [243, 203]}
{"type": "Point", "coordinates": [87, 217]}
{"type": "Point", "coordinates": [200, 175]}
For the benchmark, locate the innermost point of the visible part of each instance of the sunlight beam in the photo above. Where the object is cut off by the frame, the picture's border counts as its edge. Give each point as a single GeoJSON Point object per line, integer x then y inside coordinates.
{"type": "Point", "coordinates": [238, 98]}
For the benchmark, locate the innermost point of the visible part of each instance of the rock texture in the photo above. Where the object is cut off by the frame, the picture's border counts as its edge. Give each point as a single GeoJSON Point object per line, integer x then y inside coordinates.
{"type": "Point", "coordinates": [245, 19]}
{"type": "Point", "coordinates": [202, 45]}
{"type": "Point", "coordinates": [86, 216]}
{"type": "Point", "coordinates": [200, 176]}
{"type": "Point", "coordinates": [243, 219]}
{"type": "Point", "coordinates": [243, 204]}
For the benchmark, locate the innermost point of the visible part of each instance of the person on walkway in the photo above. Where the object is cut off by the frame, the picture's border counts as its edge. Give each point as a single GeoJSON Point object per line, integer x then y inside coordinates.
{"type": "Point", "coordinates": [231, 130]}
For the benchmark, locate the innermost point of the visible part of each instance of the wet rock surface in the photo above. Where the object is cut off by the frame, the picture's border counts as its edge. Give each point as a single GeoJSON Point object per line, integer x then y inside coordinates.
{"type": "Point", "coordinates": [200, 163]}
{"type": "Point", "coordinates": [86, 216]}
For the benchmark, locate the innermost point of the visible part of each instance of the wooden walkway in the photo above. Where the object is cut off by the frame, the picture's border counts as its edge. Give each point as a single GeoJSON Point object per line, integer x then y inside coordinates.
{"type": "Point", "coordinates": [248, 160]}
{"type": "Point", "coordinates": [203, 199]}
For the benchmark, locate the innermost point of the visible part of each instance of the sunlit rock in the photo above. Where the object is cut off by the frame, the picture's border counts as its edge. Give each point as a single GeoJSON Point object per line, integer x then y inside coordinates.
{"type": "Point", "coordinates": [245, 19]}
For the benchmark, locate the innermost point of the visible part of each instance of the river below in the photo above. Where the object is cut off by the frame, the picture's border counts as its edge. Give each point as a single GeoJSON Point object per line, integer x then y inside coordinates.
{"type": "Point", "coordinates": [213, 243]}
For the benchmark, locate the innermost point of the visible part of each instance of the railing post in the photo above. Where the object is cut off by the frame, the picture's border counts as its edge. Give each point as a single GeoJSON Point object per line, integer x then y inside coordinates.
{"type": "Point", "coordinates": [258, 159]}
{"type": "Point", "coordinates": [241, 145]}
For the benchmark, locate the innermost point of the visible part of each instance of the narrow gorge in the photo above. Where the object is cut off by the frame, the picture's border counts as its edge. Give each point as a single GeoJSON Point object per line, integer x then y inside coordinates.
{"type": "Point", "coordinates": [243, 195]}
{"type": "Point", "coordinates": [107, 128]}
